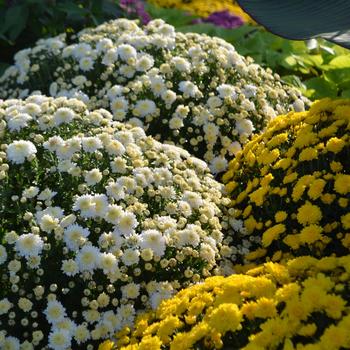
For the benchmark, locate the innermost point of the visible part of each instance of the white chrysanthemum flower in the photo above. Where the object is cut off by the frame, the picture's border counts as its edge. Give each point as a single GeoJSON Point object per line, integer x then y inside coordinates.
{"type": "Point", "coordinates": [66, 324]}
{"type": "Point", "coordinates": [144, 63]}
{"type": "Point", "coordinates": [250, 91]}
{"type": "Point", "coordinates": [115, 190]}
{"type": "Point", "coordinates": [144, 107]}
{"type": "Point", "coordinates": [218, 165]}
{"type": "Point", "coordinates": [127, 223]}
{"type": "Point", "coordinates": [113, 214]}
{"type": "Point", "coordinates": [130, 291]}
{"type": "Point", "coordinates": [11, 343]}
{"type": "Point", "coordinates": [53, 143]}
{"type": "Point", "coordinates": [87, 258]}
{"type": "Point", "coordinates": [188, 88]}
{"type": "Point", "coordinates": [126, 52]}
{"type": "Point", "coordinates": [55, 212]}
{"type": "Point", "coordinates": [93, 177]}
{"type": "Point", "coordinates": [153, 239]}
{"type": "Point", "coordinates": [19, 121]}
{"type": "Point", "coordinates": [128, 313]}
{"type": "Point", "coordinates": [75, 236]}
{"type": "Point", "coordinates": [107, 262]}
{"type": "Point", "coordinates": [188, 236]}
{"type": "Point", "coordinates": [54, 312]}
{"type": "Point", "coordinates": [234, 148]}
{"type": "Point", "coordinates": [114, 91]}
{"type": "Point", "coordinates": [116, 148]}
{"type": "Point", "coordinates": [169, 97]}
{"type": "Point", "coordinates": [63, 115]}
{"type": "Point", "coordinates": [176, 123]}
{"type": "Point", "coordinates": [245, 126]}
{"type": "Point", "coordinates": [30, 192]}
{"type": "Point", "coordinates": [193, 199]}
{"type": "Point", "coordinates": [91, 144]}
{"type": "Point", "coordinates": [48, 223]}
{"type": "Point", "coordinates": [5, 306]}
{"type": "Point", "coordinates": [207, 252]}
{"type": "Point", "coordinates": [19, 151]}
{"type": "Point", "coordinates": [100, 205]}
{"type": "Point", "coordinates": [181, 64]}
{"type": "Point", "coordinates": [46, 194]}
{"type": "Point", "coordinates": [29, 244]}
{"type": "Point", "coordinates": [226, 90]}
{"type": "Point", "coordinates": [110, 57]}
{"type": "Point", "coordinates": [60, 339]}
{"type": "Point", "coordinates": [81, 334]}
{"type": "Point", "coordinates": [86, 64]}
{"type": "Point", "coordinates": [3, 254]}
{"type": "Point", "coordinates": [70, 267]}
{"type": "Point", "coordinates": [119, 103]}
{"type": "Point", "coordinates": [85, 205]}
{"type": "Point", "coordinates": [130, 256]}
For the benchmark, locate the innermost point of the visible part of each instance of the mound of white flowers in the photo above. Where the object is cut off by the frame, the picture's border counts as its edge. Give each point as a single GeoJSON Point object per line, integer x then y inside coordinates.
{"type": "Point", "coordinates": [188, 89]}
{"type": "Point", "coordinates": [97, 221]}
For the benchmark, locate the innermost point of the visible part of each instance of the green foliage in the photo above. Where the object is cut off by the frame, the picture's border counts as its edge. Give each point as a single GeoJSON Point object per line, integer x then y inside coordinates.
{"type": "Point", "coordinates": [23, 22]}
{"type": "Point", "coordinates": [173, 16]}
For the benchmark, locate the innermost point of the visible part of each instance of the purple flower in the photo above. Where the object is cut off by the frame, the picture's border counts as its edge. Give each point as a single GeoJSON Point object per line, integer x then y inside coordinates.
{"type": "Point", "coordinates": [222, 19]}
{"type": "Point", "coordinates": [136, 8]}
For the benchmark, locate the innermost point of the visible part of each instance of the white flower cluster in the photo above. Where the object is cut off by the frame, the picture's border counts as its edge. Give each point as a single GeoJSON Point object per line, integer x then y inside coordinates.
{"type": "Point", "coordinates": [97, 221]}
{"type": "Point", "coordinates": [187, 89]}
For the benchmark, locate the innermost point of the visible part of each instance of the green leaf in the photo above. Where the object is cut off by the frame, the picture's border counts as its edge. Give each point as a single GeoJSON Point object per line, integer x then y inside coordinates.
{"type": "Point", "coordinates": [3, 67]}
{"type": "Point", "coordinates": [15, 21]}
{"type": "Point", "coordinates": [337, 75]}
{"type": "Point", "coordinates": [72, 9]}
{"type": "Point", "coordinates": [172, 16]}
{"type": "Point", "coordinates": [319, 88]}
{"type": "Point", "coordinates": [303, 19]}
{"type": "Point", "coordinates": [294, 80]}
{"type": "Point", "coordinates": [342, 61]}
{"type": "Point", "coordinates": [345, 94]}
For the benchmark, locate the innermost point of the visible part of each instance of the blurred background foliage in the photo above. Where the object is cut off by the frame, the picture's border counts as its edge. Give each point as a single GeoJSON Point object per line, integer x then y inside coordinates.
{"type": "Point", "coordinates": [319, 68]}
{"type": "Point", "coordinates": [23, 22]}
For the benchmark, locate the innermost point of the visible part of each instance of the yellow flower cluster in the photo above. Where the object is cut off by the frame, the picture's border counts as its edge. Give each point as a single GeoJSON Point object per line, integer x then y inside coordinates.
{"type": "Point", "coordinates": [291, 185]}
{"type": "Point", "coordinates": [298, 305]}
{"type": "Point", "coordinates": [204, 8]}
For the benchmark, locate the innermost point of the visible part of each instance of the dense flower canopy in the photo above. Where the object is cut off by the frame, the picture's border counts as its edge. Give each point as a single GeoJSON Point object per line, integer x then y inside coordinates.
{"type": "Point", "coordinates": [188, 89]}
{"type": "Point", "coordinates": [97, 221]}
{"type": "Point", "coordinates": [302, 305]}
{"type": "Point", "coordinates": [291, 185]}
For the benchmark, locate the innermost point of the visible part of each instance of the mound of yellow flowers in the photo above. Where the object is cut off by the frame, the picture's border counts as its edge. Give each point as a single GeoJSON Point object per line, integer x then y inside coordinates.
{"type": "Point", "coordinates": [290, 186]}
{"type": "Point", "coordinates": [298, 305]}
{"type": "Point", "coordinates": [204, 8]}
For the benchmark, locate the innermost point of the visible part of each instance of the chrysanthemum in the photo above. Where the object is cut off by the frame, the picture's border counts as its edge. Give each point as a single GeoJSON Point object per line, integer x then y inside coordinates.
{"type": "Point", "coordinates": [19, 151]}
{"type": "Point", "coordinates": [87, 258]}
{"type": "Point", "coordinates": [154, 240]}
{"type": "Point", "coordinates": [55, 312]}
{"type": "Point", "coordinates": [74, 236]}
{"type": "Point", "coordinates": [29, 244]}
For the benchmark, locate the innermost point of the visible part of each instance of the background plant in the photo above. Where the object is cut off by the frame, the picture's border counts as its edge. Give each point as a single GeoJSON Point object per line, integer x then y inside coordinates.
{"type": "Point", "coordinates": [23, 22]}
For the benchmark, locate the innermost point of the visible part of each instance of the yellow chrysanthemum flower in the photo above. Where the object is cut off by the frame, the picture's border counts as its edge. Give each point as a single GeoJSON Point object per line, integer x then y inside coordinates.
{"type": "Point", "coordinates": [277, 304]}
{"type": "Point", "coordinates": [295, 174]}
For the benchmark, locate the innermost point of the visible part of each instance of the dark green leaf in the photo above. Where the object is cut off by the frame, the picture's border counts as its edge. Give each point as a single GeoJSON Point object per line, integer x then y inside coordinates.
{"type": "Point", "coordinates": [319, 88]}
{"type": "Point", "coordinates": [345, 94]}
{"type": "Point", "coordinates": [15, 21]}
